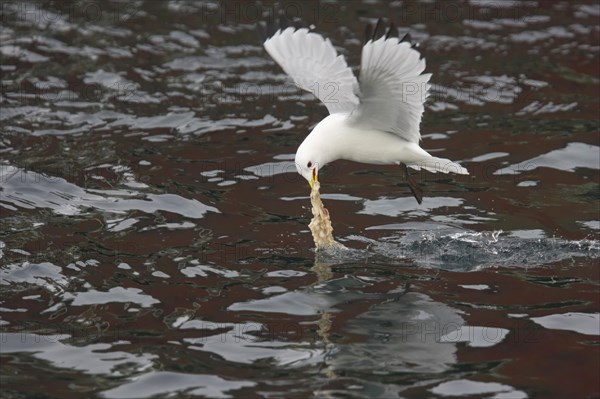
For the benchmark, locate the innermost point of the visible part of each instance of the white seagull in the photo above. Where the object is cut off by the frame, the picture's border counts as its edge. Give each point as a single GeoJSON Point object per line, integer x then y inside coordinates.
{"type": "Point", "coordinates": [375, 121]}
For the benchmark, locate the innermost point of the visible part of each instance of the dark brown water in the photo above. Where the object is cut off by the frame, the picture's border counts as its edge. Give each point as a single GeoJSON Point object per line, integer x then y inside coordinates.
{"type": "Point", "coordinates": [154, 236]}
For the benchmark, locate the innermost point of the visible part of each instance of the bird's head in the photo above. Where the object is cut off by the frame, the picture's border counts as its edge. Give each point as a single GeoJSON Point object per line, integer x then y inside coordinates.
{"type": "Point", "coordinates": [319, 148]}
{"type": "Point", "coordinates": [308, 163]}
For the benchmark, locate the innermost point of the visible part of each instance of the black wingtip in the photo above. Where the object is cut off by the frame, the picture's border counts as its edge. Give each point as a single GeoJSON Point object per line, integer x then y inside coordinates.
{"type": "Point", "coordinates": [414, 45]}
{"type": "Point", "coordinates": [374, 33]}
{"type": "Point", "coordinates": [379, 29]}
{"type": "Point", "coordinates": [392, 31]}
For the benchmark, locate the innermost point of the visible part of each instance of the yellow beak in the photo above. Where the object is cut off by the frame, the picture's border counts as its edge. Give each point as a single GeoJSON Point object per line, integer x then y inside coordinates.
{"type": "Point", "coordinates": [312, 181]}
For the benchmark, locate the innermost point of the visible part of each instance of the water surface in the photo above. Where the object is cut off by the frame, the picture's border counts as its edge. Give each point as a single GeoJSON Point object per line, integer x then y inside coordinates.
{"type": "Point", "coordinates": [155, 238]}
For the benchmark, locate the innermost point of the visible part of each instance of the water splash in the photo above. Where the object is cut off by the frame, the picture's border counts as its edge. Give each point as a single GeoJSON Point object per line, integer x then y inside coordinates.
{"type": "Point", "coordinates": [470, 250]}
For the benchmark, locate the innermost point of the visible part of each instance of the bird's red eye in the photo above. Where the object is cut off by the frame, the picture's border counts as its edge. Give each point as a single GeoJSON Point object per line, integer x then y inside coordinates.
{"type": "Point", "coordinates": [309, 164]}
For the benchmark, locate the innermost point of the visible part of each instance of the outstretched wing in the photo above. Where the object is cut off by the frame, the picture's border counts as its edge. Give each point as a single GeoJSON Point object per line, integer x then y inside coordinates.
{"type": "Point", "coordinates": [392, 88]}
{"type": "Point", "coordinates": [315, 66]}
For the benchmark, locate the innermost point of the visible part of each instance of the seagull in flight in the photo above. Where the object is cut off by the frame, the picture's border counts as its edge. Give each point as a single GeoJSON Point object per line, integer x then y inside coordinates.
{"type": "Point", "coordinates": [372, 120]}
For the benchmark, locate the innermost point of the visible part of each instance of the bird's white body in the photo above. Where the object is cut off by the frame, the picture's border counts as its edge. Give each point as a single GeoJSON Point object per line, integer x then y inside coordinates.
{"type": "Point", "coordinates": [335, 138]}
{"type": "Point", "coordinates": [376, 121]}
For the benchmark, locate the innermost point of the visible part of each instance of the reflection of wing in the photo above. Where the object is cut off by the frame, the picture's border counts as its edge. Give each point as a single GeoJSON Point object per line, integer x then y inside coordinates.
{"type": "Point", "coordinates": [315, 66]}
{"type": "Point", "coordinates": [392, 89]}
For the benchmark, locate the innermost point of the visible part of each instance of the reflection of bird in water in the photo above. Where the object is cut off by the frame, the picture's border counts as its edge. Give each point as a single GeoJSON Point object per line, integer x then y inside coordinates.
{"type": "Point", "coordinates": [375, 121]}
{"type": "Point", "coordinates": [322, 270]}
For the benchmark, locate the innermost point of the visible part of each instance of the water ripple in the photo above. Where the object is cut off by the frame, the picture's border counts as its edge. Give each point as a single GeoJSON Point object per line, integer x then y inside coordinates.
{"type": "Point", "coordinates": [29, 190]}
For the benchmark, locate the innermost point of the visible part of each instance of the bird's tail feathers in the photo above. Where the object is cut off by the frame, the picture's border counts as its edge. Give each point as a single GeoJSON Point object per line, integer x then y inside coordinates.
{"type": "Point", "coordinates": [435, 164]}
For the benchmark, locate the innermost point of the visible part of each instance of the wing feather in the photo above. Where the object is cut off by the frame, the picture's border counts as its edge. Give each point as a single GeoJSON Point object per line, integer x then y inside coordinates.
{"type": "Point", "coordinates": [392, 87]}
{"type": "Point", "coordinates": [314, 65]}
